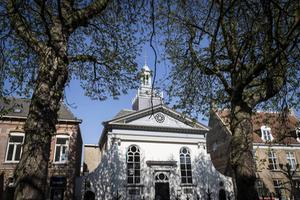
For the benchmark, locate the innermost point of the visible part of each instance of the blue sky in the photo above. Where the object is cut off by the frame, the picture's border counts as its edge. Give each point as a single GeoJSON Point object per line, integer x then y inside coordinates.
{"type": "Point", "coordinates": [93, 112]}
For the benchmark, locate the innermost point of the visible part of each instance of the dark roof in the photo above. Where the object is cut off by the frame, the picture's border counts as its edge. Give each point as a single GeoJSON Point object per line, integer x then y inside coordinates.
{"type": "Point", "coordinates": [19, 108]}
{"type": "Point", "coordinates": [118, 121]}
{"type": "Point", "coordinates": [123, 112]}
{"type": "Point", "coordinates": [135, 114]}
{"type": "Point", "coordinates": [283, 127]}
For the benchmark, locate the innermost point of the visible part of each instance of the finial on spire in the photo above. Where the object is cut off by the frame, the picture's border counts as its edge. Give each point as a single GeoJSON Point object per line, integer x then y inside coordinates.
{"type": "Point", "coordinates": [145, 58]}
{"type": "Point", "coordinates": [145, 67]}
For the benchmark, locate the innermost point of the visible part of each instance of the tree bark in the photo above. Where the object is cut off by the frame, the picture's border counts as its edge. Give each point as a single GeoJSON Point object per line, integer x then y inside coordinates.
{"type": "Point", "coordinates": [241, 157]}
{"type": "Point", "coordinates": [32, 171]}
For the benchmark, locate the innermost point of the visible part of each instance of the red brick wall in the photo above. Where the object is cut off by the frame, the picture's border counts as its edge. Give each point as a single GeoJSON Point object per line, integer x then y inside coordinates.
{"type": "Point", "coordinates": [70, 170]}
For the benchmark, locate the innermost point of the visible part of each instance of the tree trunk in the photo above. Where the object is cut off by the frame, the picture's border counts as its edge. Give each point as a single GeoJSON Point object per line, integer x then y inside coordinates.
{"type": "Point", "coordinates": [241, 157]}
{"type": "Point", "coordinates": [32, 171]}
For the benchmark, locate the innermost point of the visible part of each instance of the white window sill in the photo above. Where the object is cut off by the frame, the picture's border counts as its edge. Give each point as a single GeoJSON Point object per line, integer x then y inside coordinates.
{"type": "Point", "coordinates": [11, 162]}
{"type": "Point", "coordinates": [267, 141]}
{"type": "Point", "coordinates": [60, 163]}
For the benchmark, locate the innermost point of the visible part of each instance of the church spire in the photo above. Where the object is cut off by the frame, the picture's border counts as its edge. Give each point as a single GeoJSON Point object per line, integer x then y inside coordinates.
{"type": "Point", "coordinates": [145, 92]}
{"type": "Point", "coordinates": [146, 77]}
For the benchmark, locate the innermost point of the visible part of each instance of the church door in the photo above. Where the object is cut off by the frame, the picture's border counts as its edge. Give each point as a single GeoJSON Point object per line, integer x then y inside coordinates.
{"type": "Point", "coordinates": [162, 189]}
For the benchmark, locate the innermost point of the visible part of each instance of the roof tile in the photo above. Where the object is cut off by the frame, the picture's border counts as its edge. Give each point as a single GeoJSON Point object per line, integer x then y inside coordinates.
{"type": "Point", "coordinates": [16, 107]}
{"type": "Point", "coordinates": [283, 127]}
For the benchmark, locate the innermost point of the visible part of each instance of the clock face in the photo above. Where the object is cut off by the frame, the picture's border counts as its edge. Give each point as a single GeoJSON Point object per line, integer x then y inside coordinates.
{"type": "Point", "coordinates": [159, 117]}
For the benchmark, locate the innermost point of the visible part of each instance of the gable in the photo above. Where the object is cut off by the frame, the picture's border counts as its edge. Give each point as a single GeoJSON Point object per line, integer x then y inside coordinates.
{"type": "Point", "coordinates": [159, 116]}
{"type": "Point", "coordinates": [159, 119]}
{"type": "Point", "coordinates": [282, 127]}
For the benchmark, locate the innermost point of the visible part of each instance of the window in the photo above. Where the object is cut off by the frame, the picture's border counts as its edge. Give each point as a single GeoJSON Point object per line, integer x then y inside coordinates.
{"type": "Point", "coordinates": [161, 177]}
{"type": "Point", "coordinates": [185, 166]}
{"type": "Point", "coordinates": [17, 110]}
{"type": "Point", "coordinates": [279, 191]}
{"type": "Point", "coordinates": [261, 189]}
{"type": "Point", "coordinates": [291, 160]}
{"type": "Point", "coordinates": [266, 133]}
{"type": "Point", "coordinates": [133, 165]}
{"type": "Point", "coordinates": [57, 187]}
{"type": "Point", "coordinates": [61, 149]}
{"type": "Point", "coordinates": [214, 146]}
{"type": "Point", "coordinates": [272, 160]}
{"type": "Point", "coordinates": [147, 79]}
{"type": "Point", "coordinates": [14, 147]}
{"type": "Point", "coordinates": [298, 134]}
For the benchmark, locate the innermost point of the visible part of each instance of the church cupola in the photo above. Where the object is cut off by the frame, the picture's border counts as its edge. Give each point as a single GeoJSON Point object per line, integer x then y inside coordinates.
{"type": "Point", "coordinates": [146, 96]}
{"type": "Point", "coordinates": [146, 78]}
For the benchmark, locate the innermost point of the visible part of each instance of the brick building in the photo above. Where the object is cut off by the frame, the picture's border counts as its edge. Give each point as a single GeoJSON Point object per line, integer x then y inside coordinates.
{"type": "Point", "coordinates": [65, 155]}
{"type": "Point", "coordinates": [276, 149]}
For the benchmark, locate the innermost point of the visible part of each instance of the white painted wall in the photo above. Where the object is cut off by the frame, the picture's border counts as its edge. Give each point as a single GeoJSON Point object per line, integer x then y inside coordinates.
{"type": "Point", "coordinates": [110, 176]}
{"type": "Point", "coordinates": [161, 151]}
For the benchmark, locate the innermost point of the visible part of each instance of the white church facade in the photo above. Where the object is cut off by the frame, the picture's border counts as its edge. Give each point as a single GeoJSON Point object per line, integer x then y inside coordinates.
{"type": "Point", "coordinates": [153, 152]}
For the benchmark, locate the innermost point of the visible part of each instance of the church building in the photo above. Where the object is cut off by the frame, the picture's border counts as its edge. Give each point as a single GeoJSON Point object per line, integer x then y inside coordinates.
{"type": "Point", "coordinates": [152, 152]}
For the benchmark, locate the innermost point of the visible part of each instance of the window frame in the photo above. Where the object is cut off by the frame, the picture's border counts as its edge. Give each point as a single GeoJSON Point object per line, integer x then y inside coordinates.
{"type": "Point", "coordinates": [266, 134]}
{"type": "Point", "coordinates": [297, 130]}
{"type": "Point", "coordinates": [67, 150]}
{"type": "Point", "coordinates": [136, 179]}
{"type": "Point", "coordinates": [290, 158]}
{"type": "Point", "coordinates": [14, 150]}
{"type": "Point", "coordinates": [187, 166]}
{"type": "Point", "coordinates": [278, 187]}
{"type": "Point", "coordinates": [273, 158]}
{"type": "Point", "coordinates": [261, 188]}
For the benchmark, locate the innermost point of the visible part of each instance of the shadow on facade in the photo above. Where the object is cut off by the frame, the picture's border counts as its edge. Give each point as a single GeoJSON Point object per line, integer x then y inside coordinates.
{"type": "Point", "coordinates": [210, 183]}
{"type": "Point", "coordinates": [62, 177]}
{"type": "Point", "coordinates": [108, 181]}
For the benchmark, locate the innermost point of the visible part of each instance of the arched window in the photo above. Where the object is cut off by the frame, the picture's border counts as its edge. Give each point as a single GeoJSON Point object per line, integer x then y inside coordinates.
{"type": "Point", "coordinates": [185, 165]}
{"type": "Point", "coordinates": [133, 165]}
{"type": "Point", "coordinates": [161, 177]}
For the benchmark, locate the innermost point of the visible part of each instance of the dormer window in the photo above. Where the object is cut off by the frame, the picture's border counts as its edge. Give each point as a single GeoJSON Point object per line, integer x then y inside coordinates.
{"type": "Point", "coordinates": [298, 134]}
{"type": "Point", "coordinates": [17, 110]}
{"type": "Point", "coordinates": [266, 134]}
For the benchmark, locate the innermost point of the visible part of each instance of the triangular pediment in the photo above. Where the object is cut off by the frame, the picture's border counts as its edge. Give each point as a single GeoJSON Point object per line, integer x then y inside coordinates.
{"type": "Point", "coordinates": [158, 116]}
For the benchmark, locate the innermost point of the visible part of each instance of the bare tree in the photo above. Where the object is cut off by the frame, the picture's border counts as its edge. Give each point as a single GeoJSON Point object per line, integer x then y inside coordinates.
{"type": "Point", "coordinates": [46, 43]}
{"type": "Point", "coordinates": [290, 174]}
{"type": "Point", "coordinates": [233, 54]}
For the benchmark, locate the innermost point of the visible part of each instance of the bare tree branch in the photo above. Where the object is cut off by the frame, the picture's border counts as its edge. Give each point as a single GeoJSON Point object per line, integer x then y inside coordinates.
{"type": "Point", "coordinates": [80, 17]}
{"type": "Point", "coordinates": [22, 28]}
{"type": "Point", "coordinates": [84, 58]}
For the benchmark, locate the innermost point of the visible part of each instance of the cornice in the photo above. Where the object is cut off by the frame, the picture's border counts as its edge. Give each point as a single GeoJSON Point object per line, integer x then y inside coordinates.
{"type": "Point", "coordinates": [157, 128]}
{"type": "Point", "coordinates": [21, 118]}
